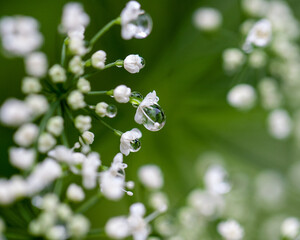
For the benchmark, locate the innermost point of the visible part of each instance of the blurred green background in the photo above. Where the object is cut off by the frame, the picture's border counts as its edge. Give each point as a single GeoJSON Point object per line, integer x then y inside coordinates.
{"type": "Point", "coordinates": [184, 66]}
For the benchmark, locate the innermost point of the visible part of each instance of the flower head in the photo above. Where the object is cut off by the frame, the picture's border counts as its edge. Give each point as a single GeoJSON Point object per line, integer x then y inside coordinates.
{"type": "Point", "coordinates": [130, 141]}
{"type": "Point", "coordinates": [20, 35]}
{"type": "Point", "coordinates": [242, 96]}
{"type": "Point", "coordinates": [207, 19]}
{"type": "Point", "coordinates": [135, 23]}
{"type": "Point", "coordinates": [260, 35]}
{"type": "Point", "coordinates": [150, 114]}
{"type": "Point", "coordinates": [231, 230]}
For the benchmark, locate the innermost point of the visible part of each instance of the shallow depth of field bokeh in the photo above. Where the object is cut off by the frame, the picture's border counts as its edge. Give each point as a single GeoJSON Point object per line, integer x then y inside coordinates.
{"type": "Point", "coordinates": [184, 66]}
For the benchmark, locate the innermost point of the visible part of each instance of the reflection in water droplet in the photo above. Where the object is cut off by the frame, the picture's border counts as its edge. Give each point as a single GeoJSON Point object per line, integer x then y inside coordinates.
{"type": "Point", "coordinates": [155, 117]}
{"type": "Point", "coordinates": [111, 111]}
{"type": "Point", "coordinates": [135, 145]}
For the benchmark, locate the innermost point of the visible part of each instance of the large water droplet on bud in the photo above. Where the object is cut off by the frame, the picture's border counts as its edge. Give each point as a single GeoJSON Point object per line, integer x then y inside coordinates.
{"type": "Point", "coordinates": [143, 25]}
{"type": "Point", "coordinates": [154, 117]}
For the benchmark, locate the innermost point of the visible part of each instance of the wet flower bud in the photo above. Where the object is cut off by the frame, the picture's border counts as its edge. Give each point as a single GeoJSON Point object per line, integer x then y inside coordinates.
{"type": "Point", "coordinates": [134, 63]}
{"type": "Point", "coordinates": [150, 114]}
{"type": "Point", "coordinates": [135, 22]}
{"type": "Point", "coordinates": [130, 141]}
{"type": "Point", "coordinates": [101, 109]}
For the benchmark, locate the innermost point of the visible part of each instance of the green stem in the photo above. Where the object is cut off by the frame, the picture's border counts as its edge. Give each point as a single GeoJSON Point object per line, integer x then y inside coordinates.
{"type": "Point", "coordinates": [64, 52]}
{"type": "Point", "coordinates": [98, 93]}
{"type": "Point", "coordinates": [118, 63]}
{"type": "Point", "coordinates": [104, 30]}
{"type": "Point", "coordinates": [117, 132]}
{"type": "Point", "coordinates": [44, 121]}
{"type": "Point", "coordinates": [88, 204]}
{"type": "Point", "coordinates": [64, 138]}
{"type": "Point", "coordinates": [96, 233]}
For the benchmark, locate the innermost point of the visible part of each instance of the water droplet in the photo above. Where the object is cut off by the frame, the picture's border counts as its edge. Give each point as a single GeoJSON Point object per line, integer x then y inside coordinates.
{"type": "Point", "coordinates": [136, 98]}
{"type": "Point", "coordinates": [143, 62]}
{"type": "Point", "coordinates": [155, 117]}
{"type": "Point", "coordinates": [135, 145]}
{"type": "Point", "coordinates": [143, 25]}
{"type": "Point", "coordinates": [111, 111]}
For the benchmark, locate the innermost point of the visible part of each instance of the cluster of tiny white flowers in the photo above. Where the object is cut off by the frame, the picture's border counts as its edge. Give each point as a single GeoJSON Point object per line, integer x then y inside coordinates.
{"type": "Point", "coordinates": [204, 206]}
{"type": "Point", "coordinates": [55, 96]}
{"type": "Point", "coordinates": [135, 225]}
{"type": "Point", "coordinates": [269, 46]}
{"type": "Point", "coordinates": [20, 35]}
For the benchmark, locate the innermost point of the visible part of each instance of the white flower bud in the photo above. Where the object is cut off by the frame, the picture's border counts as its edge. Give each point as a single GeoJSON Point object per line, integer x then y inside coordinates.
{"type": "Point", "coordinates": [31, 85]}
{"type": "Point", "coordinates": [50, 202]}
{"type": "Point", "coordinates": [76, 66]}
{"type": "Point", "coordinates": [233, 59]}
{"type": "Point", "coordinates": [37, 103]}
{"type": "Point", "coordinates": [290, 228]}
{"type": "Point", "coordinates": [46, 142]}
{"type": "Point", "coordinates": [15, 112]}
{"type": "Point", "coordinates": [260, 35]}
{"type": "Point", "coordinates": [26, 134]}
{"type": "Point", "coordinates": [75, 193]}
{"type": "Point", "coordinates": [98, 59]}
{"type": "Point", "coordinates": [117, 228]}
{"type": "Point", "coordinates": [77, 45]}
{"type": "Point", "coordinates": [83, 85]}
{"type": "Point", "coordinates": [73, 17]}
{"type": "Point", "coordinates": [36, 64]}
{"type": "Point", "coordinates": [57, 74]}
{"type": "Point", "coordinates": [122, 94]}
{"type": "Point", "coordinates": [101, 109]}
{"type": "Point", "coordinates": [64, 212]}
{"type": "Point", "coordinates": [258, 59]}
{"type": "Point", "coordinates": [21, 158]}
{"type": "Point", "coordinates": [130, 141]}
{"type": "Point", "coordinates": [133, 63]}
{"type": "Point", "coordinates": [76, 100]}
{"type": "Point", "coordinates": [158, 200]}
{"type": "Point", "coordinates": [231, 230]}
{"type": "Point", "coordinates": [55, 125]}
{"type": "Point", "coordinates": [61, 154]}
{"type": "Point", "coordinates": [151, 176]}
{"type": "Point", "coordinates": [207, 19]}
{"type": "Point", "coordinates": [83, 123]}
{"type": "Point", "coordinates": [279, 124]}
{"type": "Point", "coordinates": [57, 232]}
{"type": "Point", "coordinates": [88, 137]}
{"type": "Point", "coordinates": [242, 96]}
{"type": "Point", "coordinates": [78, 226]}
